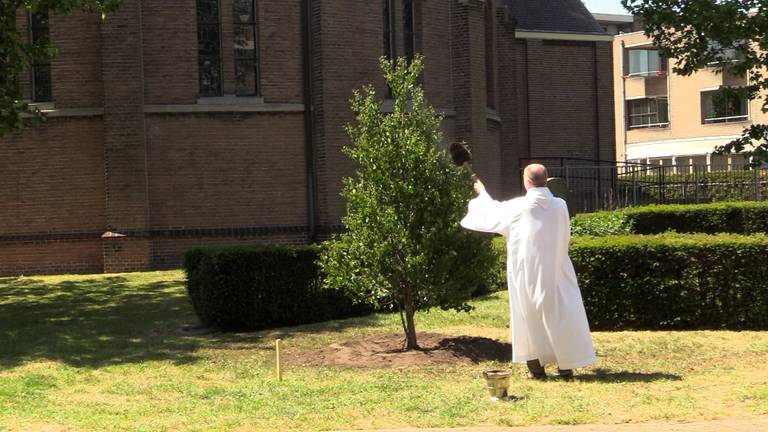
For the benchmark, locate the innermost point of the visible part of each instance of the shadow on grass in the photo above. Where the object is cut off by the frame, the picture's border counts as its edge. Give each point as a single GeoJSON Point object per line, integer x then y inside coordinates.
{"type": "Point", "coordinates": [116, 320]}
{"type": "Point", "coordinates": [246, 338]}
{"type": "Point", "coordinates": [374, 319]}
{"type": "Point", "coordinates": [609, 376]}
{"type": "Point", "coordinates": [94, 322]}
{"type": "Point", "coordinates": [477, 349]}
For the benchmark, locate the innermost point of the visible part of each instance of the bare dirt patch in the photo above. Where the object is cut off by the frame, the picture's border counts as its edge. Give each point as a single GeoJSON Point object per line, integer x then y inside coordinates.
{"type": "Point", "coordinates": [386, 351]}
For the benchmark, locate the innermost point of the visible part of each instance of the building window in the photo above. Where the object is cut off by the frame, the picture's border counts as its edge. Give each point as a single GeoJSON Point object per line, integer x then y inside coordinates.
{"type": "Point", "coordinates": [41, 69]}
{"type": "Point", "coordinates": [209, 47]}
{"type": "Point", "coordinates": [490, 77]}
{"type": "Point", "coordinates": [644, 62]}
{"type": "Point", "coordinates": [246, 48]}
{"type": "Point", "coordinates": [720, 54]}
{"type": "Point", "coordinates": [388, 44]}
{"type": "Point", "coordinates": [719, 106]}
{"type": "Point", "coordinates": [649, 112]}
{"type": "Point", "coordinates": [409, 33]}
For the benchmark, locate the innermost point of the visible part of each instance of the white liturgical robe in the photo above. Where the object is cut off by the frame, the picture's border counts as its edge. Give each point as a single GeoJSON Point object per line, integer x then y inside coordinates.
{"type": "Point", "coordinates": [548, 321]}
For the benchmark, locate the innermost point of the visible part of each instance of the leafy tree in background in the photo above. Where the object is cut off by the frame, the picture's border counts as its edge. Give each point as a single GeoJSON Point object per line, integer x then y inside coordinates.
{"type": "Point", "coordinates": [16, 55]}
{"type": "Point", "coordinates": [729, 35]}
{"type": "Point", "coordinates": [403, 247]}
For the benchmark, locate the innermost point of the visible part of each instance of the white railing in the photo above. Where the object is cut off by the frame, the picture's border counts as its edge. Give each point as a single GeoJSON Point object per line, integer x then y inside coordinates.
{"type": "Point", "coordinates": [726, 119]}
{"type": "Point", "coordinates": [650, 125]}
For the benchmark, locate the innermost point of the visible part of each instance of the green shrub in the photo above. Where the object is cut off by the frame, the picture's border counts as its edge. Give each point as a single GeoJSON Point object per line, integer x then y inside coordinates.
{"type": "Point", "coordinates": [714, 186]}
{"type": "Point", "coordinates": [601, 224]}
{"type": "Point", "coordinates": [250, 288]}
{"type": "Point", "coordinates": [672, 281]}
{"type": "Point", "coordinates": [733, 217]}
{"type": "Point", "coordinates": [497, 279]}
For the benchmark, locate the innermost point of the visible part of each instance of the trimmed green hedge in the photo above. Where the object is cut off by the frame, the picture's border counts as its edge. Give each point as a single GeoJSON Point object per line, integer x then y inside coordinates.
{"type": "Point", "coordinates": [667, 281]}
{"type": "Point", "coordinates": [601, 224]}
{"type": "Point", "coordinates": [732, 217]}
{"type": "Point", "coordinates": [250, 288]}
{"type": "Point", "coordinates": [673, 281]}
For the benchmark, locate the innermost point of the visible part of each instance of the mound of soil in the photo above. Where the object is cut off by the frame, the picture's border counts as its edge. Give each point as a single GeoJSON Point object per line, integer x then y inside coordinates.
{"type": "Point", "coordinates": [386, 351]}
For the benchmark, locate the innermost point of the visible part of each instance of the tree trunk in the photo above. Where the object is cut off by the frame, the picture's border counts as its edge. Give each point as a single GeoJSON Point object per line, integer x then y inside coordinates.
{"type": "Point", "coordinates": [410, 326]}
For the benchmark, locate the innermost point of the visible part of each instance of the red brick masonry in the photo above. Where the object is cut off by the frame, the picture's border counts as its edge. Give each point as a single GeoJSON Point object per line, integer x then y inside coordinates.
{"type": "Point", "coordinates": [131, 148]}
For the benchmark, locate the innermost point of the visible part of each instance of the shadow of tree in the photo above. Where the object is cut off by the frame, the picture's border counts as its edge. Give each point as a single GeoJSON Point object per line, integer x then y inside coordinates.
{"type": "Point", "coordinates": [609, 376]}
{"type": "Point", "coordinates": [117, 320]}
{"type": "Point", "coordinates": [98, 321]}
{"type": "Point", "coordinates": [94, 322]}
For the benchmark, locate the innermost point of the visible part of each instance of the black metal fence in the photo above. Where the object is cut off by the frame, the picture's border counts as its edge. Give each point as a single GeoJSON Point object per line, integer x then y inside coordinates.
{"type": "Point", "coordinates": [607, 185]}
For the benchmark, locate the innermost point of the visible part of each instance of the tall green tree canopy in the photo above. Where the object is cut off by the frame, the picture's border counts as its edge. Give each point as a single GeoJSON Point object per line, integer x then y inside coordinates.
{"type": "Point", "coordinates": [17, 54]}
{"type": "Point", "coordinates": [729, 35]}
{"type": "Point", "coordinates": [403, 247]}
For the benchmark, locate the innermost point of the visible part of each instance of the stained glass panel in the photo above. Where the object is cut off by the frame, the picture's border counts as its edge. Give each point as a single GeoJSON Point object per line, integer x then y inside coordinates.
{"type": "Point", "coordinates": [243, 11]}
{"type": "Point", "coordinates": [210, 76]}
{"type": "Point", "coordinates": [409, 40]}
{"type": "Point", "coordinates": [41, 69]}
{"type": "Point", "coordinates": [209, 47]}
{"type": "Point", "coordinates": [245, 74]}
{"type": "Point", "coordinates": [246, 46]}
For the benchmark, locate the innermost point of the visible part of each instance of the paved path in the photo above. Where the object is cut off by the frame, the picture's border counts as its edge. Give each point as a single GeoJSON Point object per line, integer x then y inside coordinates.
{"type": "Point", "coordinates": [716, 426]}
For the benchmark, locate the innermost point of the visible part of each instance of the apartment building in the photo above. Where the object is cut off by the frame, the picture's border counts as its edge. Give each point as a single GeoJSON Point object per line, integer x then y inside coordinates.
{"type": "Point", "coordinates": [617, 23]}
{"type": "Point", "coordinates": [666, 119]}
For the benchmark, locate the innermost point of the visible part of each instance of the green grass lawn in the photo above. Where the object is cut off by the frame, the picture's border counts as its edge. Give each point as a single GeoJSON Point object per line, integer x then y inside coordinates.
{"type": "Point", "coordinates": [106, 353]}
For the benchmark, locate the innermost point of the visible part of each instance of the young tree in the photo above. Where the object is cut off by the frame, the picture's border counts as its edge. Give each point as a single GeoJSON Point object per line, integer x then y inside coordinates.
{"type": "Point", "coordinates": [16, 55]}
{"type": "Point", "coordinates": [731, 35]}
{"type": "Point", "coordinates": [403, 247]}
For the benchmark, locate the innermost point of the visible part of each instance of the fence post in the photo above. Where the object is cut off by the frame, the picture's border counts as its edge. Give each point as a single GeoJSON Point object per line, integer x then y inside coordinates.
{"type": "Point", "coordinates": [634, 187]}
{"type": "Point", "coordinates": [696, 183]}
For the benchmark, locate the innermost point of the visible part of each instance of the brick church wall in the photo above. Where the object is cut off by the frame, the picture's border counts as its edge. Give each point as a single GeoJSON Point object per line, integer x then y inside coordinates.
{"type": "Point", "coordinates": [133, 149]}
{"type": "Point", "coordinates": [52, 186]}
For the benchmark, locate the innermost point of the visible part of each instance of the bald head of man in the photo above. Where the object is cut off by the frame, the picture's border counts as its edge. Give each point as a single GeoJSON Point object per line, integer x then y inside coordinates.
{"type": "Point", "coordinates": [535, 175]}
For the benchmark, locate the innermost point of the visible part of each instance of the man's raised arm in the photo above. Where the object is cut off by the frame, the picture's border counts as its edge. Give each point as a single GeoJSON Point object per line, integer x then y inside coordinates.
{"type": "Point", "coordinates": [484, 214]}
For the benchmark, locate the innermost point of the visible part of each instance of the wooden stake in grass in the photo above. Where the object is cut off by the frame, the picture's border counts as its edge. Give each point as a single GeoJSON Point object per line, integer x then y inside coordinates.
{"type": "Point", "coordinates": [277, 358]}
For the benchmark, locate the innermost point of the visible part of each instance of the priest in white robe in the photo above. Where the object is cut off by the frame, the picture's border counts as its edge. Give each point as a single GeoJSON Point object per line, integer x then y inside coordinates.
{"type": "Point", "coordinates": [548, 320]}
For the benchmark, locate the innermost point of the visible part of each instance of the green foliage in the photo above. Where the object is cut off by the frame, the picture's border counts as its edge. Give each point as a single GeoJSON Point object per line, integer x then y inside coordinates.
{"type": "Point", "coordinates": [739, 218]}
{"type": "Point", "coordinates": [601, 224]}
{"type": "Point", "coordinates": [249, 288]}
{"type": "Point", "coordinates": [497, 279]}
{"type": "Point", "coordinates": [734, 217]}
{"type": "Point", "coordinates": [403, 246]}
{"type": "Point", "coordinates": [713, 186]}
{"type": "Point", "coordinates": [673, 281]}
{"type": "Point", "coordinates": [701, 34]}
{"type": "Point", "coordinates": [16, 55]}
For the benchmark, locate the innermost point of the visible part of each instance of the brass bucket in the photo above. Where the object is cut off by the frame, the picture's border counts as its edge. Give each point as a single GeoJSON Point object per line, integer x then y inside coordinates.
{"type": "Point", "coordinates": [498, 382]}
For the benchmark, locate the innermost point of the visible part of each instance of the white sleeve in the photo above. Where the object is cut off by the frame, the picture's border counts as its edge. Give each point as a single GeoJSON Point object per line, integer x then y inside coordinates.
{"type": "Point", "coordinates": [487, 215]}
